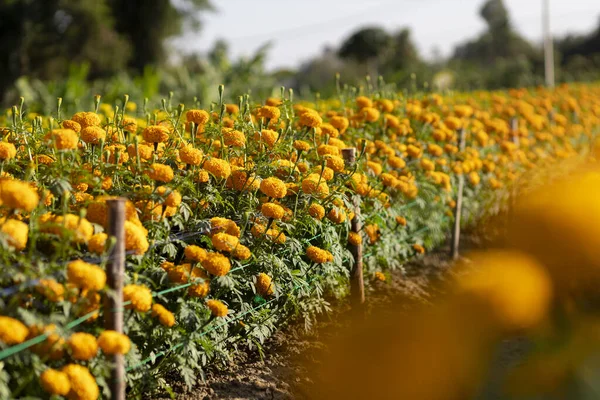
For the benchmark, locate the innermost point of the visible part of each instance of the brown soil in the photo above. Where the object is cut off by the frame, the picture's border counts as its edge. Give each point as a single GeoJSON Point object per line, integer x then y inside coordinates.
{"type": "Point", "coordinates": [283, 373]}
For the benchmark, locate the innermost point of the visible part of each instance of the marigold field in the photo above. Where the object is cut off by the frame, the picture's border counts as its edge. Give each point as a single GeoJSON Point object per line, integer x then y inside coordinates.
{"type": "Point", "coordinates": [238, 216]}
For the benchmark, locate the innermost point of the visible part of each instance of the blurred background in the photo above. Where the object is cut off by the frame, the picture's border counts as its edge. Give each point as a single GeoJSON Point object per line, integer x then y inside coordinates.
{"type": "Point", "coordinates": [146, 48]}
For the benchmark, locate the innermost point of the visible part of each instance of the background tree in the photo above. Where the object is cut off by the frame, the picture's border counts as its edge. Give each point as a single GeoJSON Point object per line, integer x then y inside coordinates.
{"type": "Point", "coordinates": [366, 46]}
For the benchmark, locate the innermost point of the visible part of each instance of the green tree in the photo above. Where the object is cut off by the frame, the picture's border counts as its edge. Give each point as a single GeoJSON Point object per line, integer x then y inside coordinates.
{"type": "Point", "coordinates": [367, 46]}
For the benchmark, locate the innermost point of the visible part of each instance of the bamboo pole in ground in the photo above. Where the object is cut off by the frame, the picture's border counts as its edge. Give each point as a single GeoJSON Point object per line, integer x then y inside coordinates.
{"type": "Point", "coordinates": [357, 287]}
{"type": "Point", "coordinates": [113, 303]}
{"type": "Point", "coordinates": [455, 243]}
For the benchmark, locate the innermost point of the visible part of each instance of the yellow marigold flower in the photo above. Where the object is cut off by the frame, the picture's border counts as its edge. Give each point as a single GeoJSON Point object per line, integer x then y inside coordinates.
{"type": "Point", "coordinates": [83, 385]}
{"type": "Point", "coordinates": [199, 117]}
{"type": "Point", "coordinates": [51, 289]}
{"type": "Point", "coordinates": [316, 211]}
{"type": "Point", "coordinates": [63, 139]}
{"type": "Point", "coordinates": [274, 102]}
{"type": "Point", "coordinates": [85, 275]}
{"type": "Point", "coordinates": [218, 224]}
{"type": "Point", "coordinates": [15, 194]}
{"type": "Point", "coordinates": [363, 101]}
{"type": "Point", "coordinates": [273, 187]}
{"type": "Point", "coordinates": [401, 221]}
{"type": "Point", "coordinates": [190, 155]}
{"type": "Point", "coordinates": [241, 252]}
{"type": "Point", "coordinates": [354, 238]}
{"type": "Point", "coordinates": [7, 151]}
{"type": "Point", "coordinates": [310, 118]}
{"type": "Point", "coordinates": [396, 162]}
{"type": "Point", "coordinates": [93, 134]}
{"type": "Point", "coordinates": [17, 233]}
{"type": "Point", "coordinates": [474, 178]}
{"type": "Point", "coordinates": [80, 228]}
{"type": "Point", "coordinates": [375, 167]}
{"type": "Point", "coordinates": [136, 238]}
{"type": "Point", "coordinates": [453, 123]}
{"type": "Point", "coordinates": [139, 296]}
{"type": "Point", "coordinates": [70, 124]}
{"type": "Point", "coordinates": [224, 242]}
{"type": "Point", "coordinates": [161, 173]}
{"type": "Point", "coordinates": [373, 232]}
{"type": "Point", "coordinates": [243, 180]}
{"type": "Point", "coordinates": [267, 136]}
{"type": "Point", "coordinates": [83, 346]}
{"type": "Point", "coordinates": [272, 210]}
{"type": "Point", "coordinates": [335, 163]}
{"type": "Point", "coordinates": [234, 138]}
{"type": "Point", "coordinates": [264, 285]}
{"type": "Point", "coordinates": [218, 167]}
{"type": "Point", "coordinates": [370, 114]}
{"type": "Point", "coordinates": [418, 248]}
{"type": "Point", "coordinates": [202, 176]}
{"type": "Point", "coordinates": [85, 119]}
{"type": "Point", "coordinates": [269, 112]}
{"type": "Point", "coordinates": [55, 382]}
{"type": "Point", "coordinates": [326, 149]}
{"type": "Point", "coordinates": [380, 276]}
{"type": "Point", "coordinates": [200, 289]}
{"type": "Point", "coordinates": [329, 130]}
{"type": "Point", "coordinates": [51, 348]}
{"type": "Point", "coordinates": [165, 317]}
{"type": "Point", "coordinates": [301, 145]}
{"type": "Point", "coordinates": [216, 264]}
{"type": "Point", "coordinates": [514, 288]}
{"type": "Point", "coordinates": [97, 244]}
{"type": "Point", "coordinates": [427, 164]}
{"type": "Point", "coordinates": [326, 173]}
{"type": "Point", "coordinates": [43, 159]}
{"type": "Point", "coordinates": [129, 124]}
{"type": "Point", "coordinates": [414, 151]}
{"type": "Point", "coordinates": [12, 331]}
{"type": "Point", "coordinates": [232, 108]}
{"type": "Point", "coordinates": [195, 253]}
{"type": "Point", "coordinates": [217, 308]}
{"type": "Point", "coordinates": [311, 185]}
{"type": "Point", "coordinates": [318, 255]}
{"type": "Point", "coordinates": [112, 342]}
{"type": "Point", "coordinates": [155, 134]}
{"type": "Point", "coordinates": [340, 123]}
{"type": "Point", "coordinates": [145, 151]}
{"type": "Point", "coordinates": [336, 215]}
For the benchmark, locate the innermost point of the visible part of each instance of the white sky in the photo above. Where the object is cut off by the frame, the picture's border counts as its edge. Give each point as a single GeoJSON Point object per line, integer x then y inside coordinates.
{"type": "Point", "coordinates": [299, 29]}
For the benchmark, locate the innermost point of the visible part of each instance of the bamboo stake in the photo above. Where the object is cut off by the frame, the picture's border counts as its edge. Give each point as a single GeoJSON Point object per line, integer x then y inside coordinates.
{"type": "Point", "coordinates": [459, 200]}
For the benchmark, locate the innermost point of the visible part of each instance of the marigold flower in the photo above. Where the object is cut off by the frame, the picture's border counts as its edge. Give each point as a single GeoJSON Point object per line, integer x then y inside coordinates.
{"type": "Point", "coordinates": [97, 244]}
{"type": "Point", "coordinates": [241, 252]}
{"type": "Point", "coordinates": [155, 134]}
{"type": "Point", "coordinates": [217, 308]}
{"type": "Point", "coordinates": [273, 187]}
{"type": "Point", "coordinates": [136, 238]}
{"type": "Point", "coordinates": [329, 130]}
{"type": "Point", "coordinates": [316, 211]}
{"type": "Point", "coordinates": [224, 242]}
{"type": "Point", "coordinates": [93, 134]}
{"type": "Point", "coordinates": [202, 288]}
{"type": "Point", "coordinates": [51, 289]}
{"type": "Point", "coordinates": [267, 136]}
{"type": "Point", "coordinates": [83, 346]}
{"type": "Point", "coordinates": [165, 317]}
{"type": "Point", "coordinates": [85, 275]}
{"type": "Point", "coordinates": [83, 385]}
{"type": "Point", "coordinates": [52, 347]}
{"type": "Point", "coordinates": [370, 114]}
{"type": "Point", "coordinates": [218, 167]}
{"type": "Point", "coordinates": [336, 163]}
{"type": "Point", "coordinates": [380, 276]}
{"type": "Point", "coordinates": [161, 173]}
{"type": "Point", "coordinates": [80, 229]}
{"type": "Point", "coordinates": [218, 224]}
{"type": "Point", "coordinates": [190, 155]}
{"type": "Point", "coordinates": [85, 119]}
{"type": "Point", "coordinates": [15, 194]}
{"type": "Point", "coordinates": [401, 221]}
{"type": "Point", "coordinates": [216, 264]}
{"type": "Point", "coordinates": [139, 296]}
{"type": "Point", "coordinates": [373, 232]}
{"type": "Point", "coordinates": [301, 145]}
{"type": "Point", "coordinates": [269, 112]}
{"type": "Point", "coordinates": [63, 139]}
{"type": "Point", "coordinates": [55, 382]}
{"type": "Point", "coordinates": [318, 255]}
{"type": "Point", "coordinates": [17, 233]}
{"type": "Point", "coordinates": [70, 124]}
{"type": "Point", "coordinates": [12, 331]}
{"type": "Point", "coordinates": [354, 238]}
{"type": "Point", "coordinates": [272, 210]}
{"type": "Point", "coordinates": [310, 118]}
{"type": "Point", "coordinates": [311, 185]}
{"type": "Point", "coordinates": [264, 285]}
{"type": "Point", "coordinates": [7, 151]}
{"type": "Point", "coordinates": [199, 117]}
{"type": "Point", "coordinates": [340, 123]}
{"type": "Point", "coordinates": [419, 248]}
{"type": "Point", "coordinates": [336, 215]}
{"type": "Point", "coordinates": [195, 253]}
{"type": "Point", "coordinates": [363, 101]}
{"type": "Point", "coordinates": [112, 342]}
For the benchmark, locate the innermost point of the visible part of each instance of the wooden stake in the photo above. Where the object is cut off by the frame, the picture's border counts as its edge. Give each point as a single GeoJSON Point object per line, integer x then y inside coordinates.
{"type": "Point", "coordinates": [357, 287]}
{"type": "Point", "coordinates": [113, 303]}
{"type": "Point", "coordinates": [459, 199]}
{"type": "Point", "coordinates": [514, 130]}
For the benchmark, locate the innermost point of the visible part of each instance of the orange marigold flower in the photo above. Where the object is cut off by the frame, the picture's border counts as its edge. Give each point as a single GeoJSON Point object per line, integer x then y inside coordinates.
{"type": "Point", "coordinates": [218, 167]}
{"type": "Point", "coordinates": [83, 346]}
{"type": "Point", "coordinates": [12, 331]}
{"type": "Point", "coordinates": [354, 238]}
{"type": "Point", "coordinates": [82, 383]}
{"type": "Point", "coordinates": [7, 151]}
{"type": "Point", "coordinates": [316, 211]}
{"type": "Point", "coordinates": [93, 134]}
{"type": "Point", "coordinates": [161, 173]}
{"type": "Point", "coordinates": [195, 253]}
{"type": "Point", "coordinates": [140, 297]}
{"type": "Point", "coordinates": [85, 119]}
{"type": "Point", "coordinates": [224, 242]}
{"type": "Point", "coordinates": [269, 112]}
{"type": "Point", "coordinates": [267, 136]}
{"type": "Point", "coordinates": [112, 342]}
{"type": "Point", "coordinates": [418, 248]}
{"type": "Point", "coordinates": [216, 264]}
{"type": "Point", "coordinates": [63, 139]}
{"type": "Point", "coordinates": [155, 134]}
{"type": "Point", "coordinates": [190, 155]}
{"type": "Point", "coordinates": [234, 138]}
{"type": "Point", "coordinates": [86, 276]}
{"type": "Point", "coordinates": [70, 124]}
{"type": "Point", "coordinates": [165, 317]}
{"type": "Point", "coordinates": [318, 255]}
{"type": "Point", "coordinates": [273, 187]}
{"type": "Point", "coordinates": [310, 118]}
{"type": "Point", "coordinates": [17, 233]}
{"type": "Point", "coordinates": [55, 382]}
{"type": "Point", "coordinates": [264, 285]}
{"type": "Point", "coordinates": [272, 210]}
{"type": "Point", "coordinates": [217, 308]}
{"type": "Point", "coordinates": [199, 117]}
{"type": "Point", "coordinates": [301, 145]}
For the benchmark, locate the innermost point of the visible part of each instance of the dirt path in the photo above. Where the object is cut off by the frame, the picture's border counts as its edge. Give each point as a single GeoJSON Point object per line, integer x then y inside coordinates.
{"type": "Point", "coordinates": [290, 354]}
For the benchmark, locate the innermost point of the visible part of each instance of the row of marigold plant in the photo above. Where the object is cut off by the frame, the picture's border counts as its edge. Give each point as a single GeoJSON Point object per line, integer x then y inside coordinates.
{"type": "Point", "coordinates": [238, 216]}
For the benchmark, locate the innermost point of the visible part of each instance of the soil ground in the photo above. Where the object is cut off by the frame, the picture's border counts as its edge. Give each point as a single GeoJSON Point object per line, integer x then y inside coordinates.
{"type": "Point", "coordinates": [283, 373]}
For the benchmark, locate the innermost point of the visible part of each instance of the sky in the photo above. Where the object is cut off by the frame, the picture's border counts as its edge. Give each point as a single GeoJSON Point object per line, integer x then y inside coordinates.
{"type": "Point", "coordinates": [299, 30]}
